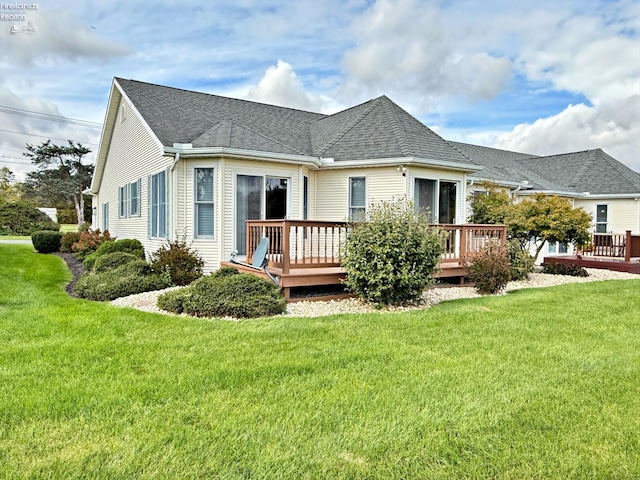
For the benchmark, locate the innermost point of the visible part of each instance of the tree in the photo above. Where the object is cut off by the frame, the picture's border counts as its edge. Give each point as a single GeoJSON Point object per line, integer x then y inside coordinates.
{"type": "Point", "coordinates": [534, 221]}
{"type": "Point", "coordinates": [61, 174]}
{"type": "Point", "coordinates": [8, 191]}
{"type": "Point", "coordinates": [545, 218]}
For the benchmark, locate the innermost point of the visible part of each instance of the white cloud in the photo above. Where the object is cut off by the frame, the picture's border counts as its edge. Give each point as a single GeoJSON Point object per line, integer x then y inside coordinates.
{"type": "Point", "coordinates": [614, 127]}
{"type": "Point", "coordinates": [280, 86]}
{"type": "Point", "coordinates": [407, 49]}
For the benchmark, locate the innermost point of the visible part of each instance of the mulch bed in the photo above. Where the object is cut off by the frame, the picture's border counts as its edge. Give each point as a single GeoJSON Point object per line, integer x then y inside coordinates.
{"type": "Point", "coordinates": [76, 267]}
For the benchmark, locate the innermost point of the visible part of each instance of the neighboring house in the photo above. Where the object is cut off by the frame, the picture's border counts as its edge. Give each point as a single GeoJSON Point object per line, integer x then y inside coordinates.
{"type": "Point", "coordinates": [591, 179]}
{"type": "Point", "coordinates": [174, 163]}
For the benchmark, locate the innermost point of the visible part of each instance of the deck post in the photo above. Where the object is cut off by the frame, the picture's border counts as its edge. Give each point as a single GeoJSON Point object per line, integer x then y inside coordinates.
{"type": "Point", "coordinates": [247, 242]}
{"type": "Point", "coordinates": [627, 247]}
{"type": "Point", "coordinates": [463, 244]}
{"type": "Point", "coordinates": [286, 256]}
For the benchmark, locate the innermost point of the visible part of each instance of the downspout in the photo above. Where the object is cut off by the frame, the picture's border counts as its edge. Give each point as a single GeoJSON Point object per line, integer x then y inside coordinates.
{"type": "Point", "coordinates": [174, 206]}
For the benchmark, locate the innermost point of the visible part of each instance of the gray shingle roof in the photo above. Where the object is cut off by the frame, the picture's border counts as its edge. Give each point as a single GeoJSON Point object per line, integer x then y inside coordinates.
{"type": "Point", "coordinates": [590, 171]}
{"type": "Point", "coordinates": [372, 130]}
{"type": "Point", "coordinates": [375, 129]}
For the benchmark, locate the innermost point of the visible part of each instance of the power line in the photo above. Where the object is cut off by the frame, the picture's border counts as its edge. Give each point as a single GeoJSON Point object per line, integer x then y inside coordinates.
{"type": "Point", "coordinates": [2, 160]}
{"type": "Point", "coordinates": [44, 136]}
{"type": "Point", "coordinates": [50, 117]}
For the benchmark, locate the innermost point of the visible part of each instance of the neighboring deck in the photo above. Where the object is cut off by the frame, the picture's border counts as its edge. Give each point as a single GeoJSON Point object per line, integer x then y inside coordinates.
{"type": "Point", "coordinates": [306, 253]}
{"type": "Point", "coordinates": [619, 252]}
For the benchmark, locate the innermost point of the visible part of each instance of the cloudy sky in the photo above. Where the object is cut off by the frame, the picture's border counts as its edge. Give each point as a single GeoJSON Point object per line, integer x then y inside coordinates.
{"type": "Point", "coordinates": [542, 77]}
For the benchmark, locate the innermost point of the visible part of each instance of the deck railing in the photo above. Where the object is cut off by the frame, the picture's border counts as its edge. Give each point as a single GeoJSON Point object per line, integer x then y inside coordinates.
{"type": "Point", "coordinates": [315, 244]}
{"type": "Point", "coordinates": [613, 245]}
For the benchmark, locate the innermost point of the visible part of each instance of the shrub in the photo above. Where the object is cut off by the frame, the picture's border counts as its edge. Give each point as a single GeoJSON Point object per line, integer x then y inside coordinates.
{"type": "Point", "coordinates": [126, 245]}
{"type": "Point", "coordinates": [21, 218]}
{"type": "Point", "coordinates": [89, 242]}
{"type": "Point", "coordinates": [522, 263]}
{"type": "Point", "coordinates": [238, 296]}
{"type": "Point", "coordinates": [390, 258]}
{"type": "Point", "coordinates": [173, 300]}
{"type": "Point", "coordinates": [134, 277]}
{"type": "Point", "coordinates": [68, 239]}
{"type": "Point", "coordinates": [225, 271]}
{"type": "Point", "coordinates": [490, 271]}
{"type": "Point", "coordinates": [111, 261]}
{"type": "Point", "coordinates": [179, 260]}
{"type": "Point", "coordinates": [46, 241]}
{"type": "Point", "coordinates": [555, 268]}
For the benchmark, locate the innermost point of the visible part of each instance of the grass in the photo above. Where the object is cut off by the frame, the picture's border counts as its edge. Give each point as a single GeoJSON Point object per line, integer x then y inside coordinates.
{"type": "Point", "coordinates": [64, 228]}
{"type": "Point", "coordinates": [541, 383]}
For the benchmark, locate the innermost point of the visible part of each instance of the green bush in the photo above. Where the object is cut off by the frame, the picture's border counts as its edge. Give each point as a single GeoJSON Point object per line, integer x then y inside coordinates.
{"type": "Point", "coordinates": [391, 257]}
{"type": "Point", "coordinates": [572, 270]}
{"type": "Point", "coordinates": [46, 241]}
{"type": "Point", "coordinates": [126, 245]}
{"type": "Point", "coordinates": [21, 218]}
{"type": "Point", "coordinates": [225, 271]}
{"type": "Point", "coordinates": [173, 300]}
{"type": "Point", "coordinates": [134, 277]}
{"type": "Point", "coordinates": [89, 242]}
{"type": "Point", "coordinates": [522, 263]}
{"type": "Point", "coordinates": [183, 264]}
{"type": "Point", "coordinates": [110, 261]}
{"type": "Point", "coordinates": [68, 239]}
{"type": "Point", "coordinates": [490, 271]}
{"type": "Point", "coordinates": [238, 296]}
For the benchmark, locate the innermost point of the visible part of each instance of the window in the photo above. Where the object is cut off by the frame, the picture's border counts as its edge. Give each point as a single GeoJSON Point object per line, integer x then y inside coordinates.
{"type": "Point", "coordinates": [122, 201]}
{"type": "Point", "coordinates": [601, 218]}
{"type": "Point", "coordinates": [204, 211]}
{"type": "Point", "coordinates": [305, 198]}
{"type": "Point", "coordinates": [129, 200]}
{"type": "Point", "coordinates": [258, 197]}
{"type": "Point", "coordinates": [558, 247]}
{"type": "Point", "coordinates": [105, 216]}
{"type": "Point", "coordinates": [134, 199]}
{"type": "Point", "coordinates": [158, 204]}
{"type": "Point", "coordinates": [357, 198]}
{"type": "Point", "coordinates": [437, 198]}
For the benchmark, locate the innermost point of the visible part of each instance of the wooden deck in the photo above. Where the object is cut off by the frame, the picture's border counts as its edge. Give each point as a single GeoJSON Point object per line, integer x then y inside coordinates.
{"type": "Point", "coordinates": [619, 252]}
{"type": "Point", "coordinates": [307, 253]}
{"type": "Point", "coordinates": [597, 262]}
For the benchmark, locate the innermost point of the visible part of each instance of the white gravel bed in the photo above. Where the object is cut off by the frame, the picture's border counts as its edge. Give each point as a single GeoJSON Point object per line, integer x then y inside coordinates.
{"type": "Point", "coordinates": [432, 296]}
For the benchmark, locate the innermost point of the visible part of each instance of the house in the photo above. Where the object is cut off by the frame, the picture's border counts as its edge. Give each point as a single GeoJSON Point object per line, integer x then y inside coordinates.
{"type": "Point", "coordinates": [591, 179]}
{"type": "Point", "coordinates": [174, 163]}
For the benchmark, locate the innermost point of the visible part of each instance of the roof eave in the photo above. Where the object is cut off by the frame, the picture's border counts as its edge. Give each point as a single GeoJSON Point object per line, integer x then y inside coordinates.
{"type": "Point", "coordinates": [407, 161]}
{"type": "Point", "coordinates": [188, 151]}
{"type": "Point", "coordinates": [560, 193]}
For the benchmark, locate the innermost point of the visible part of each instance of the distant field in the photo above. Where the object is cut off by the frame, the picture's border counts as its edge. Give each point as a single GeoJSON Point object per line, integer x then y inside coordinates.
{"type": "Point", "coordinates": [538, 383]}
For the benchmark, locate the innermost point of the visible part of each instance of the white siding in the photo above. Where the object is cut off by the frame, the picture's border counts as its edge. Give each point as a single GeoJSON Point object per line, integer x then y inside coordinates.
{"type": "Point", "coordinates": [623, 214]}
{"type": "Point", "coordinates": [383, 183]}
{"type": "Point", "coordinates": [332, 189]}
{"type": "Point", "coordinates": [133, 154]}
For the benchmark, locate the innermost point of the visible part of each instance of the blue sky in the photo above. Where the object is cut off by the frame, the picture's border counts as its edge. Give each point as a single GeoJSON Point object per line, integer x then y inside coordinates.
{"type": "Point", "coordinates": [542, 77]}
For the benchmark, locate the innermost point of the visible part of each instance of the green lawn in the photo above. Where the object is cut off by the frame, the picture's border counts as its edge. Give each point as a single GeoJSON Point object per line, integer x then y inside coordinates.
{"type": "Point", "coordinates": [536, 384]}
{"type": "Point", "coordinates": [64, 228]}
